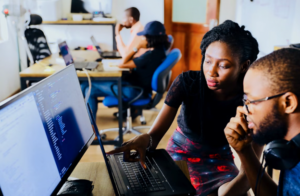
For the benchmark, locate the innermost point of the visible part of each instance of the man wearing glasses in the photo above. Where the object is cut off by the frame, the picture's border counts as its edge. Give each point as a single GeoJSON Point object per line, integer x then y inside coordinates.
{"type": "Point", "coordinates": [271, 112]}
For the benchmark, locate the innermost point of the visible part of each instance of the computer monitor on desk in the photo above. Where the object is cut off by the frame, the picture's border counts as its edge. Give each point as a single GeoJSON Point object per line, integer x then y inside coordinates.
{"type": "Point", "coordinates": [44, 132]}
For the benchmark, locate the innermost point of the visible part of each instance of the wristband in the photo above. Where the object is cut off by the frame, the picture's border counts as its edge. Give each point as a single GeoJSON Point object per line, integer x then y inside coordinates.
{"type": "Point", "coordinates": [150, 143]}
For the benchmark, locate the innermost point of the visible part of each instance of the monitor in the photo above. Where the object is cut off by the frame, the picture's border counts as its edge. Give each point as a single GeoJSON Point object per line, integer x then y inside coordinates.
{"type": "Point", "coordinates": [77, 6]}
{"type": "Point", "coordinates": [65, 52]}
{"type": "Point", "coordinates": [91, 6]}
{"type": "Point", "coordinates": [44, 132]}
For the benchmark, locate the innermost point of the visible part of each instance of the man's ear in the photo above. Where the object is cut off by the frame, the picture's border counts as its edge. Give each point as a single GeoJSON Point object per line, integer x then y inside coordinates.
{"type": "Point", "coordinates": [245, 66]}
{"type": "Point", "coordinates": [130, 19]}
{"type": "Point", "coordinates": [290, 102]}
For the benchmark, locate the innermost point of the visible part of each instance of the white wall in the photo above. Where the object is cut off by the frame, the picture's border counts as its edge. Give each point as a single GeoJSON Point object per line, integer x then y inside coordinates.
{"type": "Point", "coordinates": [227, 10]}
{"type": "Point", "coordinates": [272, 23]}
{"type": "Point", "coordinates": [9, 64]}
{"type": "Point", "coordinates": [79, 35]}
{"type": "Point", "coordinates": [295, 30]}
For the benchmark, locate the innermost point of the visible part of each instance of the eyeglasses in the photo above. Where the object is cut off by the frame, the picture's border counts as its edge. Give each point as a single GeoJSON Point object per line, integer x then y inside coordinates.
{"type": "Point", "coordinates": [247, 102]}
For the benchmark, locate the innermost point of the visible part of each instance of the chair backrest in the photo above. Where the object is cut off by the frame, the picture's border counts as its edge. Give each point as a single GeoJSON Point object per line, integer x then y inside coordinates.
{"type": "Point", "coordinates": [37, 44]}
{"type": "Point", "coordinates": [171, 40]}
{"type": "Point", "coordinates": [159, 78]}
{"type": "Point", "coordinates": [36, 40]}
{"type": "Point", "coordinates": [162, 75]}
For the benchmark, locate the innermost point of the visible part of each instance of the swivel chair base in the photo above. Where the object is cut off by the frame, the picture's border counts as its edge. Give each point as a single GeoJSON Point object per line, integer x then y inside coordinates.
{"type": "Point", "coordinates": [128, 128]}
{"type": "Point", "coordinates": [138, 113]}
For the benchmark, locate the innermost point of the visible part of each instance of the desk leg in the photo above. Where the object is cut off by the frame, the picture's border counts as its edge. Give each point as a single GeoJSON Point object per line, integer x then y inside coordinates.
{"type": "Point", "coordinates": [23, 83]}
{"type": "Point", "coordinates": [114, 37]}
{"type": "Point", "coordinates": [120, 111]}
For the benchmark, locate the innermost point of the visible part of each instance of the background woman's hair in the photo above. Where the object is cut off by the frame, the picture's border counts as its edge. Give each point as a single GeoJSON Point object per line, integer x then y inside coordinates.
{"type": "Point", "coordinates": [240, 41]}
{"type": "Point", "coordinates": [158, 41]}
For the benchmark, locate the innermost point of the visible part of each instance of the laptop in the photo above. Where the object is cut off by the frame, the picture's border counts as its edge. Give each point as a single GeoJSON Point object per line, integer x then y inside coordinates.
{"type": "Point", "coordinates": [65, 52]}
{"type": "Point", "coordinates": [105, 54]}
{"type": "Point", "coordinates": [161, 178]}
{"type": "Point", "coordinates": [45, 130]}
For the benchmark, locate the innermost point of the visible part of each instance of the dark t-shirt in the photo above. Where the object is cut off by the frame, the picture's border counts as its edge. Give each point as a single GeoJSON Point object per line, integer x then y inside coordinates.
{"type": "Point", "coordinates": [185, 91]}
{"type": "Point", "coordinates": [146, 65]}
{"type": "Point", "coordinates": [289, 183]}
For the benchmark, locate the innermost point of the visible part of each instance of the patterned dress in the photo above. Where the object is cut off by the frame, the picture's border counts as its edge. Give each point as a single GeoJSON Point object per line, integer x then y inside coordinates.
{"type": "Point", "coordinates": [204, 148]}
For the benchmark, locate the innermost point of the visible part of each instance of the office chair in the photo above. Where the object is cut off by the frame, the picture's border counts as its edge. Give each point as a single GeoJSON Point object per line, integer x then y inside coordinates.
{"type": "Point", "coordinates": [160, 82]}
{"type": "Point", "coordinates": [171, 40]}
{"type": "Point", "coordinates": [36, 39]}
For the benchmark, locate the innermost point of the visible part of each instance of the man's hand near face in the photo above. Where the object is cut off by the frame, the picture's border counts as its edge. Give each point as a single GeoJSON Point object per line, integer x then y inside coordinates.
{"type": "Point", "coordinates": [237, 133]}
{"type": "Point", "coordinates": [238, 136]}
{"type": "Point", "coordinates": [118, 28]}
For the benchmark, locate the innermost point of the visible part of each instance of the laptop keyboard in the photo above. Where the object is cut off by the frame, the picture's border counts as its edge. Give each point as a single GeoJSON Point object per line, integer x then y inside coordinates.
{"type": "Point", "coordinates": [141, 180]}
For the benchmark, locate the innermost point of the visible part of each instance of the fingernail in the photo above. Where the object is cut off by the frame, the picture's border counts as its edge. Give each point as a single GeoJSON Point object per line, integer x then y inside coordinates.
{"type": "Point", "coordinates": [145, 166]}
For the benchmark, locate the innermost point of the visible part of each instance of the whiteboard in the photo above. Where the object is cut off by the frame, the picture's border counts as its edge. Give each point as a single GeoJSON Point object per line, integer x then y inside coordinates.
{"type": "Point", "coordinates": [271, 22]}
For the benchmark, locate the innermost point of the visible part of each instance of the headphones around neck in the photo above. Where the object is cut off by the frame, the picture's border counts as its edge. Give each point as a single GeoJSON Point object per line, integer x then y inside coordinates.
{"type": "Point", "coordinates": [282, 154]}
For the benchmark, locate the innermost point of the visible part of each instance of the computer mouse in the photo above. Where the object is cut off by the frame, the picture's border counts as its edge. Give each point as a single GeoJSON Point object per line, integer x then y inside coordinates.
{"type": "Point", "coordinates": [98, 60]}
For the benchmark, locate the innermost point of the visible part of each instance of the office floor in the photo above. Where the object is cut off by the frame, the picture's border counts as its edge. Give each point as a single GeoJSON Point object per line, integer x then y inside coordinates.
{"type": "Point", "coordinates": [105, 120]}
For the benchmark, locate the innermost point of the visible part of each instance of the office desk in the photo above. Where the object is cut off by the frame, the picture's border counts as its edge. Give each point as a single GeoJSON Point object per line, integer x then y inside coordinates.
{"type": "Point", "coordinates": [41, 70]}
{"type": "Point", "coordinates": [86, 22]}
{"type": "Point", "coordinates": [97, 172]}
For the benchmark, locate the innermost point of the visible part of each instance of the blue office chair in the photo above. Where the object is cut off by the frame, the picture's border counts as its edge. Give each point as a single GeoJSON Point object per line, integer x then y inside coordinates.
{"type": "Point", "coordinates": [160, 82]}
{"type": "Point", "coordinates": [171, 40]}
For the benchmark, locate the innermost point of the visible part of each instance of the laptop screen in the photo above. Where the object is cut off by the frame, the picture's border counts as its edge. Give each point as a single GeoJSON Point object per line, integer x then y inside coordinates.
{"type": "Point", "coordinates": [65, 52]}
{"type": "Point", "coordinates": [44, 131]}
{"type": "Point", "coordinates": [97, 46]}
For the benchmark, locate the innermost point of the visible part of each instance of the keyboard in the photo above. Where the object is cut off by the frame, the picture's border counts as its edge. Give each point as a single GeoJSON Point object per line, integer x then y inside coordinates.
{"type": "Point", "coordinates": [142, 180]}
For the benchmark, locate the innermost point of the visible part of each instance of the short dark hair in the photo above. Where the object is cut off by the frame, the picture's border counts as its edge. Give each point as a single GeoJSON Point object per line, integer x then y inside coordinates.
{"type": "Point", "coordinates": [282, 69]}
{"type": "Point", "coordinates": [155, 41]}
{"type": "Point", "coordinates": [134, 12]}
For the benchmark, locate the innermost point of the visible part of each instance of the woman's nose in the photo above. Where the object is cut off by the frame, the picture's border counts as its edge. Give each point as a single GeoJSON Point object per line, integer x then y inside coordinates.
{"type": "Point", "coordinates": [213, 71]}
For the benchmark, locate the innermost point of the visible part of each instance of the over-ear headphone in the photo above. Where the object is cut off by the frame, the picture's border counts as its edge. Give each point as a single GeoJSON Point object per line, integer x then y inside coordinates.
{"type": "Point", "coordinates": [282, 154]}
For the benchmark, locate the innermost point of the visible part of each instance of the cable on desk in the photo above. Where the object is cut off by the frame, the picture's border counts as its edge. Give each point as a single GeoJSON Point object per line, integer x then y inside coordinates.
{"type": "Point", "coordinates": [90, 85]}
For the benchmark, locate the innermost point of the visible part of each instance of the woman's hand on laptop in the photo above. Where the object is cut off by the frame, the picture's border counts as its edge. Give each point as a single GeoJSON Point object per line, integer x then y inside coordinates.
{"type": "Point", "coordinates": [139, 144]}
{"type": "Point", "coordinates": [236, 131]}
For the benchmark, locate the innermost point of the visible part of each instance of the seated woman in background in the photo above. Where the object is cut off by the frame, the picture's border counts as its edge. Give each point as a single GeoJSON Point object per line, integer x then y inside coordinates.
{"type": "Point", "coordinates": [209, 99]}
{"type": "Point", "coordinates": [142, 67]}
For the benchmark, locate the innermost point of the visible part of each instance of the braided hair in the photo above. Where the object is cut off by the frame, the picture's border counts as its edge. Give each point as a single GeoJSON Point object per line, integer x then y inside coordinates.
{"type": "Point", "coordinates": [241, 42]}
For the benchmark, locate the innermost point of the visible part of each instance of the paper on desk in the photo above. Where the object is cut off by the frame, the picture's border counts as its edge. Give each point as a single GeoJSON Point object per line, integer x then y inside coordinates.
{"type": "Point", "coordinates": [112, 65]}
{"type": "Point", "coordinates": [59, 61]}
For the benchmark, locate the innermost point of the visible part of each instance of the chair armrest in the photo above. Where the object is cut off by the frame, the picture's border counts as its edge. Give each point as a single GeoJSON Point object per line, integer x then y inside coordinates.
{"type": "Point", "coordinates": [130, 86]}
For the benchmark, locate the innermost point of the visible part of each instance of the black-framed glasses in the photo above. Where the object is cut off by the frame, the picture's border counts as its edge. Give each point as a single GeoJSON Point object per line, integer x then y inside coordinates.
{"type": "Point", "coordinates": [247, 102]}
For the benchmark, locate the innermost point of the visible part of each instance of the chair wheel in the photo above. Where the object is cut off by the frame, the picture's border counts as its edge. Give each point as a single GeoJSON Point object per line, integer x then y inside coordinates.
{"type": "Point", "coordinates": [143, 122]}
{"type": "Point", "coordinates": [103, 136]}
{"type": "Point", "coordinates": [116, 114]}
